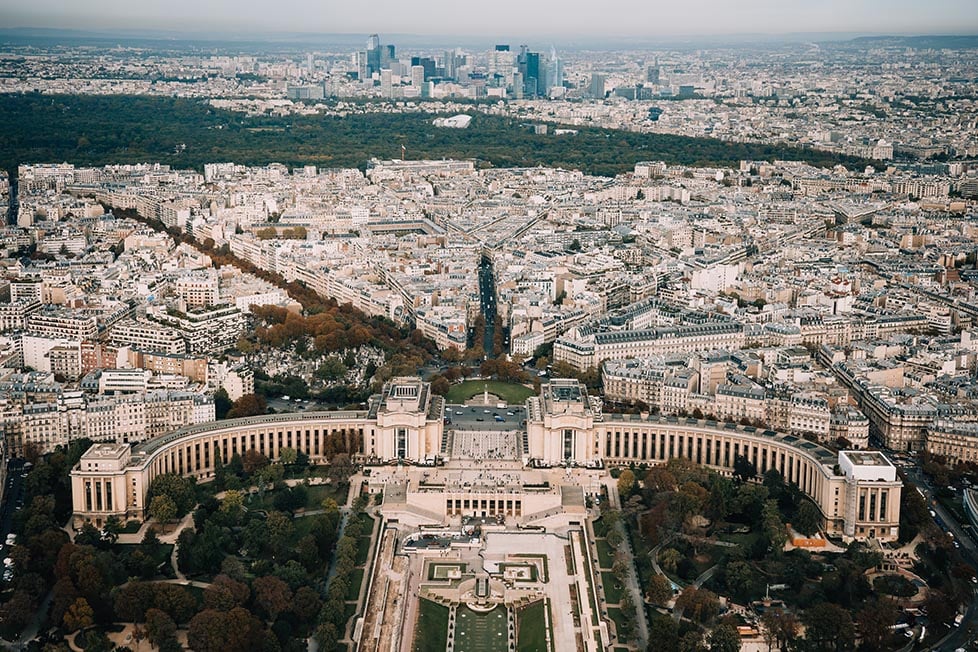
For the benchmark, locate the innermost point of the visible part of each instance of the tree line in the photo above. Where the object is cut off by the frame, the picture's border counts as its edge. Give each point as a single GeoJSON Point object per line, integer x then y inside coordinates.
{"type": "Point", "coordinates": [95, 130]}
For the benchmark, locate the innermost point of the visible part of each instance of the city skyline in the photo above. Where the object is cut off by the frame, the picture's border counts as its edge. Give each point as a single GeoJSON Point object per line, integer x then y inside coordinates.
{"type": "Point", "coordinates": [617, 18]}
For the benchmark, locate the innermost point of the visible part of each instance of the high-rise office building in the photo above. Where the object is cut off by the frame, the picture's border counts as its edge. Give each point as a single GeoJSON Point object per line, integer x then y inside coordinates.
{"type": "Point", "coordinates": [448, 64]}
{"type": "Point", "coordinates": [373, 54]}
{"type": "Point", "coordinates": [500, 66]}
{"type": "Point", "coordinates": [518, 86]}
{"type": "Point", "coordinates": [417, 76]}
{"type": "Point", "coordinates": [596, 88]}
{"type": "Point", "coordinates": [427, 63]}
{"type": "Point", "coordinates": [556, 70]}
{"type": "Point", "coordinates": [529, 66]}
{"type": "Point", "coordinates": [386, 83]}
{"type": "Point", "coordinates": [359, 61]}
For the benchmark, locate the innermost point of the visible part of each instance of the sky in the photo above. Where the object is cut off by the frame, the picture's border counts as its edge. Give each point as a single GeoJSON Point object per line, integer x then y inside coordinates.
{"type": "Point", "coordinates": [569, 18]}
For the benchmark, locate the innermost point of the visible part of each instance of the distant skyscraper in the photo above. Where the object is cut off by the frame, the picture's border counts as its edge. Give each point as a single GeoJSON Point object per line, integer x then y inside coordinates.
{"type": "Point", "coordinates": [500, 65]}
{"type": "Point", "coordinates": [386, 83]}
{"type": "Point", "coordinates": [556, 76]}
{"type": "Point", "coordinates": [596, 88]}
{"type": "Point", "coordinates": [427, 63]}
{"type": "Point", "coordinates": [653, 74]}
{"type": "Point", "coordinates": [360, 63]}
{"type": "Point", "coordinates": [373, 54]}
{"type": "Point", "coordinates": [449, 64]}
{"type": "Point", "coordinates": [417, 75]}
{"type": "Point", "coordinates": [530, 68]}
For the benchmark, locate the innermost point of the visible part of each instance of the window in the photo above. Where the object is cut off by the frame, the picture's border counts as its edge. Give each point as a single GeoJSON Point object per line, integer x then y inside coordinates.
{"type": "Point", "coordinates": [401, 443]}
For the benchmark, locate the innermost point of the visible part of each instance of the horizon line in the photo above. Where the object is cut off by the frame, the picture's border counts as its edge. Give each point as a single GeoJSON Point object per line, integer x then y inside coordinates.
{"type": "Point", "coordinates": [238, 34]}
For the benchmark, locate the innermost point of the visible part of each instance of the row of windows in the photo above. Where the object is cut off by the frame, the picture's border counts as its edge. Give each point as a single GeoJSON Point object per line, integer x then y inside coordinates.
{"type": "Point", "coordinates": [483, 507]}
{"type": "Point", "coordinates": [705, 449]}
{"type": "Point", "coordinates": [199, 456]}
{"type": "Point", "coordinates": [873, 515]}
{"type": "Point", "coordinates": [98, 495]}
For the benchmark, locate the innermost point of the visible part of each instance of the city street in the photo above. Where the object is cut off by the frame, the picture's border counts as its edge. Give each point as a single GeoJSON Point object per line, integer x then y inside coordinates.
{"type": "Point", "coordinates": [957, 637]}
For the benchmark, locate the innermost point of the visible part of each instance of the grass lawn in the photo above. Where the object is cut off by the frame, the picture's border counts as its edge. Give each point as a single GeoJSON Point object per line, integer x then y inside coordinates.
{"type": "Point", "coordinates": [353, 591]}
{"type": "Point", "coordinates": [531, 632]}
{"type": "Point", "coordinates": [606, 554]}
{"type": "Point", "coordinates": [746, 541]}
{"type": "Point", "coordinates": [303, 526]}
{"type": "Point", "coordinates": [618, 616]}
{"type": "Point", "coordinates": [315, 496]}
{"type": "Point", "coordinates": [600, 529]}
{"type": "Point", "coordinates": [431, 632]}
{"type": "Point", "coordinates": [477, 632]}
{"type": "Point", "coordinates": [511, 393]}
{"type": "Point", "coordinates": [363, 550]}
{"type": "Point", "coordinates": [612, 588]}
{"type": "Point", "coordinates": [366, 524]}
{"type": "Point", "coordinates": [132, 527]}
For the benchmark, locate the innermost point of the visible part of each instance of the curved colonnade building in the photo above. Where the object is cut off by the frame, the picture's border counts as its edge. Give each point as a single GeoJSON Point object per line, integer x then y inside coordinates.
{"type": "Point", "coordinates": [858, 492]}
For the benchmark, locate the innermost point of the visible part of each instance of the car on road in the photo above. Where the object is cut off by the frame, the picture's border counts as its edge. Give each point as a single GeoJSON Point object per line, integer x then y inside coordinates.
{"type": "Point", "coordinates": [458, 412]}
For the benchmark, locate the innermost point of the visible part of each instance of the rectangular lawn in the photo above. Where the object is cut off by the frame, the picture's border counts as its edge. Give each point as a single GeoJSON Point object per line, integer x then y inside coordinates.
{"type": "Point", "coordinates": [431, 632]}
{"type": "Point", "coordinates": [531, 628]}
{"type": "Point", "coordinates": [612, 588]}
{"type": "Point", "coordinates": [511, 393]}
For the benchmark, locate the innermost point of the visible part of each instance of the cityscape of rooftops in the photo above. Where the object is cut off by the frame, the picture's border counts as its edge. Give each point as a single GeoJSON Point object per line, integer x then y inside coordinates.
{"type": "Point", "coordinates": [424, 327]}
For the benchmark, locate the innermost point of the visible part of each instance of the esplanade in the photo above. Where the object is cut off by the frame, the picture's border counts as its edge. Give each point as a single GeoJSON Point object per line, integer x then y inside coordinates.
{"type": "Point", "coordinates": [858, 492]}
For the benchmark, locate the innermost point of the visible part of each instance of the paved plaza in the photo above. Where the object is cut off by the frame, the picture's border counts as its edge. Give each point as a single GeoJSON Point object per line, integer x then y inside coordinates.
{"type": "Point", "coordinates": [485, 445]}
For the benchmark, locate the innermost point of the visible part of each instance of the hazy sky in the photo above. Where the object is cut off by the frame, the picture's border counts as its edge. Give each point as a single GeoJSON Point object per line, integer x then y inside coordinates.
{"type": "Point", "coordinates": [504, 17]}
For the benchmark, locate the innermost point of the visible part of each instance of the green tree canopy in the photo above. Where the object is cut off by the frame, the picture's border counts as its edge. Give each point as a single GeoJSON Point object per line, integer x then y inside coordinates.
{"type": "Point", "coordinates": [163, 509]}
{"type": "Point", "coordinates": [176, 487]}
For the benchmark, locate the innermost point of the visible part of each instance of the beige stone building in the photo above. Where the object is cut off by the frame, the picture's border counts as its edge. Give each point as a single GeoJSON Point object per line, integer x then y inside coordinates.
{"type": "Point", "coordinates": [857, 492]}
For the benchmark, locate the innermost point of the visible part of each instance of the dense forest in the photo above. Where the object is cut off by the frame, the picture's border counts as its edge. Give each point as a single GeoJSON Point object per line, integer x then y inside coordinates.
{"type": "Point", "coordinates": [186, 133]}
